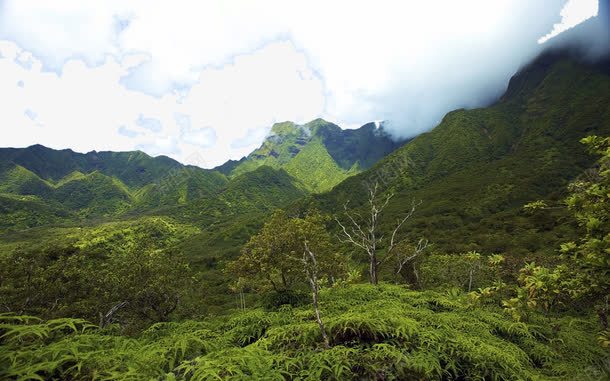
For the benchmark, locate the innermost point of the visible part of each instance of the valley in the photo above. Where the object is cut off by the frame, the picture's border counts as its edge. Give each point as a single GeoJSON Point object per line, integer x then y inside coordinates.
{"type": "Point", "coordinates": [120, 265]}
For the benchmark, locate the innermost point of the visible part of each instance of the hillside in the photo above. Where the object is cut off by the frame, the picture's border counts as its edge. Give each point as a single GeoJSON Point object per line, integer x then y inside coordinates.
{"type": "Point", "coordinates": [292, 161]}
{"type": "Point", "coordinates": [76, 187]}
{"type": "Point", "coordinates": [318, 154]}
{"type": "Point", "coordinates": [477, 168]}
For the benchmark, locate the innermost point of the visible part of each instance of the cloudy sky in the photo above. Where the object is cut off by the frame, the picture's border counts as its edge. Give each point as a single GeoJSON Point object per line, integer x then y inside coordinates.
{"type": "Point", "coordinates": [207, 79]}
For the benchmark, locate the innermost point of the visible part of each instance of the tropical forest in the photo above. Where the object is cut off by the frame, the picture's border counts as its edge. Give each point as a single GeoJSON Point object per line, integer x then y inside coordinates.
{"type": "Point", "coordinates": [477, 248]}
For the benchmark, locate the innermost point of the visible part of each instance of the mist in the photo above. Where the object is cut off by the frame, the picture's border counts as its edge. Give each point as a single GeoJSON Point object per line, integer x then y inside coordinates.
{"type": "Point", "coordinates": [475, 72]}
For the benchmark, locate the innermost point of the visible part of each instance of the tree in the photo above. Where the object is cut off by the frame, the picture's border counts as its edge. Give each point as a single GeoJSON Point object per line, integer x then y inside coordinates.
{"type": "Point", "coordinates": [288, 251]}
{"type": "Point", "coordinates": [585, 272]}
{"type": "Point", "coordinates": [272, 259]}
{"type": "Point", "coordinates": [544, 289]}
{"type": "Point", "coordinates": [364, 233]}
{"type": "Point", "coordinates": [589, 200]}
{"type": "Point", "coordinates": [143, 286]}
{"type": "Point", "coordinates": [405, 256]}
{"type": "Point", "coordinates": [474, 264]}
{"type": "Point", "coordinates": [311, 270]}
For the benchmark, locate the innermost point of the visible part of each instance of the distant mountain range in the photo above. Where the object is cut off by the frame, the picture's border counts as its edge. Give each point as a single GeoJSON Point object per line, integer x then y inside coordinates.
{"type": "Point", "coordinates": [39, 185]}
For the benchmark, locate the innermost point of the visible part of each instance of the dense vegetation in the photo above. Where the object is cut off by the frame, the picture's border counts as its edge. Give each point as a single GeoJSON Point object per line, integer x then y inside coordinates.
{"type": "Point", "coordinates": [383, 332]}
{"type": "Point", "coordinates": [485, 242]}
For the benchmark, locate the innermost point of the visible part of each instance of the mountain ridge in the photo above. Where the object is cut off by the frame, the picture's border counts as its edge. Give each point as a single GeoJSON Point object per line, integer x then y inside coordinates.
{"type": "Point", "coordinates": [350, 152]}
{"type": "Point", "coordinates": [107, 184]}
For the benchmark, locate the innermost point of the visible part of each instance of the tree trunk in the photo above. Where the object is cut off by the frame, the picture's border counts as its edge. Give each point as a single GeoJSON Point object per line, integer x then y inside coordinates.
{"type": "Point", "coordinates": [417, 281]}
{"type": "Point", "coordinates": [373, 269]}
{"type": "Point", "coordinates": [242, 299]}
{"type": "Point", "coordinates": [312, 275]}
{"type": "Point", "coordinates": [314, 296]}
{"type": "Point", "coordinates": [107, 318]}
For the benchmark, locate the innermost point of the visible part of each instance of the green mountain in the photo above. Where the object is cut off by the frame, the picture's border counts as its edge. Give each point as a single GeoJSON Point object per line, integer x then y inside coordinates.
{"type": "Point", "coordinates": [134, 169]}
{"type": "Point", "coordinates": [293, 160]}
{"type": "Point", "coordinates": [477, 168]}
{"type": "Point", "coordinates": [262, 189]}
{"type": "Point", "coordinates": [75, 187]}
{"type": "Point", "coordinates": [318, 154]}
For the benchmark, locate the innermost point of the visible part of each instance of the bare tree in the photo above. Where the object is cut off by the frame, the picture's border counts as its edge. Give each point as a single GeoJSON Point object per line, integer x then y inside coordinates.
{"type": "Point", "coordinates": [108, 317]}
{"type": "Point", "coordinates": [403, 258]}
{"type": "Point", "coordinates": [364, 232]}
{"type": "Point", "coordinates": [311, 270]}
{"type": "Point", "coordinates": [238, 287]}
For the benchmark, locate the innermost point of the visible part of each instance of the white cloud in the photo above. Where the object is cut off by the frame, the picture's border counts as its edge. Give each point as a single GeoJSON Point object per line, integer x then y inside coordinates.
{"type": "Point", "coordinates": [572, 14]}
{"type": "Point", "coordinates": [30, 114]}
{"type": "Point", "coordinates": [203, 137]}
{"type": "Point", "coordinates": [127, 132]}
{"type": "Point", "coordinates": [195, 79]}
{"type": "Point", "coordinates": [151, 124]}
{"type": "Point", "coordinates": [87, 108]}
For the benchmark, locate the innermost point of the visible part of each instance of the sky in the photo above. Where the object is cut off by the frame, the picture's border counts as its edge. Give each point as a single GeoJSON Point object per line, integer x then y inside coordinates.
{"type": "Point", "coordinates": [203, 81]}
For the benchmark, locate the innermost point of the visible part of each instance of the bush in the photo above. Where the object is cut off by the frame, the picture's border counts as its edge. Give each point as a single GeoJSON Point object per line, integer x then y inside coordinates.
{"type": "Point", "coordinates": [384, 333]}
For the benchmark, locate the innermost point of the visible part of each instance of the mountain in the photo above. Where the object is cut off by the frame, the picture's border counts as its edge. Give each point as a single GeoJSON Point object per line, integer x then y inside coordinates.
{"type": "Point", "coordinates": [292, 161]}
{"type": "Point", "coordinates": [135, 169]}
{"type": "Point", "coordinates": [74, 186]}
{"type": "Point", "coordinates": [477, 168]}
{"type": "Point", "coordinates": [318, 154]}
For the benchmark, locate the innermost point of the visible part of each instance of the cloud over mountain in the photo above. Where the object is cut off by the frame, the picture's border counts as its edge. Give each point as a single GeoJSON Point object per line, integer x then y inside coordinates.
{"type": "Point", "coordinates": [235, 68]}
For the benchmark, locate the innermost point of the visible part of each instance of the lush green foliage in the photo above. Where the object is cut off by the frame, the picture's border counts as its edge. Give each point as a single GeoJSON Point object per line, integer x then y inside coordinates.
{"type": "Point", "coordinates": [589, 200]}
{"type": "Point", "coordinates": [585, 271]}
{"type": "Point", "coordinates": [88, 271]}
{"type": "Point", "coordinates": [383, 332]}
{"type": "Point", "coordinates": [273, 258]}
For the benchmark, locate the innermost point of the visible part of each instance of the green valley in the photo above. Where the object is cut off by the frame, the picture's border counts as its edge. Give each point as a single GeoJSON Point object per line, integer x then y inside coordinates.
{"type": "Point", "coordinates": [475, 251]}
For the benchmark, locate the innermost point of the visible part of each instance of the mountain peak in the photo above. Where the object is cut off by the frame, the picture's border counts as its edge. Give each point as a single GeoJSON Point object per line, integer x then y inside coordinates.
{"type": "Point", "coordinates": [291, 128]}
{"type": "Point", "coordinates": [283, 128]}
{"type": "Point", "coordinates": [316, 146]}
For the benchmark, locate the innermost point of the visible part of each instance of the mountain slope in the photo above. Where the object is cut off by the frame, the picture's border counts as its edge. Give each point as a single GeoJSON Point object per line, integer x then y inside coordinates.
{"type": "Point", "coordinates": [96, 184]}
{"type": "Point", "coordinates": [476, 170]}
{"type": "Point", "coordinates": [135, 169]}
{"type": "Point", "coordinates": [230, 218]}
{"type": "Point", "coordinates": [318, 154]}
{"type": "Point", "coordinates": [263, 189]}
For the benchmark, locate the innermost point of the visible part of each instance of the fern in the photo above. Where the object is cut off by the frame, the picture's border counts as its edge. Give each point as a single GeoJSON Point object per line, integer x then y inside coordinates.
{"type": "Point", "coordinates": [384, 332]}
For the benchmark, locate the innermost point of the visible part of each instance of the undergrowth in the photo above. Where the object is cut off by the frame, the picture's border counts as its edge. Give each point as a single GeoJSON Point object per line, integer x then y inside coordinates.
{"type": "Point", "coordinates": [378, 333]}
